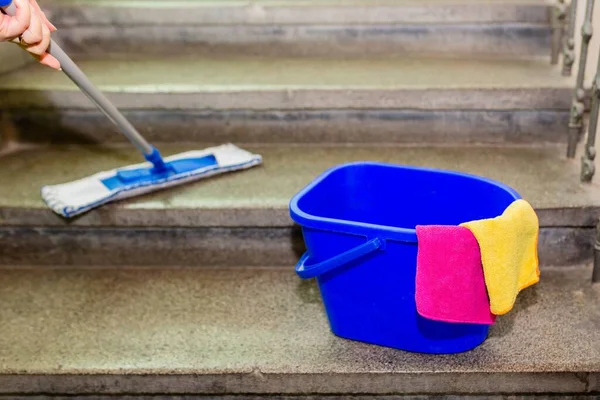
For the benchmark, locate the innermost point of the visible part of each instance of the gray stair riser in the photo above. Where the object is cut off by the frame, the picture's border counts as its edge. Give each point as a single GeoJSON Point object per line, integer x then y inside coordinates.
{"type": "Point", "coordinates": [492, 40]}
{"type": "Point", "coordinates": [330, 126]}
{"type": "Point", "coordinates": [151, 247]}
{"type": "Point", "coordinates": [250, 247]}
{"type": "Point", "coordinates": [299, 12]}
{"type": "Point", "coordinates": [111, 216]}
{"type": "Point", "coordinates": [306, 397]}
{"type": "Point", "coordinates": [262, 99]}
{"type": "Point", "coordinates": [256, 382]}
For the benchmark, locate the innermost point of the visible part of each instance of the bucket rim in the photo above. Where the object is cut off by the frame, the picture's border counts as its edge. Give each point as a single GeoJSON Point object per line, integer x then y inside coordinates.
{"type": "Point", "coordinates": [367, 229]}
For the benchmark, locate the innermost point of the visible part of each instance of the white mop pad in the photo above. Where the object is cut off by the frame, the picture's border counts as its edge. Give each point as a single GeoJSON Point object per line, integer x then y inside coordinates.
{"type": "Point", "coordinates": [74, 198]}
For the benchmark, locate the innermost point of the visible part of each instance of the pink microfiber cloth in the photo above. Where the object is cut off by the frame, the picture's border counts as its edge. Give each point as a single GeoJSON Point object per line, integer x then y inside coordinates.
{"type": "Point", "coordinates": [450, 285]}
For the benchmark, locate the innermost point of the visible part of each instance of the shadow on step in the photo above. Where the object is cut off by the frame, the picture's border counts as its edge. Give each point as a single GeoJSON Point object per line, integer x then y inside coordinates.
{"type": "Point", "coordinates": [295, 126]}
{"type": "Point", "coordinates": [210, 246]}
{"type": "Point", "coordinates": [151, 247]}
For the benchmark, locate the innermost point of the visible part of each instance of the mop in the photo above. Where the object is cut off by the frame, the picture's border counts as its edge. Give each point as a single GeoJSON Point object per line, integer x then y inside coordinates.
{"type": "Point", "coordinates": [77, 197]}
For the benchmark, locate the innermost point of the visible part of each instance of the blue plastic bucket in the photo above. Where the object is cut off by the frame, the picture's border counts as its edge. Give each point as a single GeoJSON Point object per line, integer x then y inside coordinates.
{"type": "Point", "coordinates": [358, 222]}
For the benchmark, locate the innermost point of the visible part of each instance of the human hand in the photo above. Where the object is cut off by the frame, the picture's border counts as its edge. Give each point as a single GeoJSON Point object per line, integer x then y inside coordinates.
{"type": "Point", "coordinates": [30, 29]}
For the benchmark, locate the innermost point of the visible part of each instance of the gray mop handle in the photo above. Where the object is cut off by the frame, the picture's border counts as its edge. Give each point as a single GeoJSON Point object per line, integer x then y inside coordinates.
{"type": "Point", "coordinates": [81, 80]}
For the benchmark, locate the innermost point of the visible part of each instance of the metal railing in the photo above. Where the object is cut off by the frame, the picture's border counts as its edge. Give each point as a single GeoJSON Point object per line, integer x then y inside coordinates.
{"type": "Point", "coordinates": [576, 125]}
{"type": "Point", "coordinates": [588, 167]}
{"type": "Point", "coordinates": [559, 17]}
{"type": "Point", "coordinates": [580, 97]}
{"type": "Point", "coordinates": [569, 41]}
{"type": "Point", "coordinates": [596, 270]}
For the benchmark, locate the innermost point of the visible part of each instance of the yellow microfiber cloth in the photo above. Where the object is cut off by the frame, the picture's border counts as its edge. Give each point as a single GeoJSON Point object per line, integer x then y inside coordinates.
{"type": "Point", "coordinates": [509, 254]}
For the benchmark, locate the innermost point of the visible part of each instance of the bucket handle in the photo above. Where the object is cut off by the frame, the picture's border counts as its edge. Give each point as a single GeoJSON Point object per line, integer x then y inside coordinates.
{"type": "Point", "coordinates": [310, 271]}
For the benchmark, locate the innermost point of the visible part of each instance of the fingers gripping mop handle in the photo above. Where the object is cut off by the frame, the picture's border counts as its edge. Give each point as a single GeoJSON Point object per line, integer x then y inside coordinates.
{"type": "Point", "coordinates": [87, 87]}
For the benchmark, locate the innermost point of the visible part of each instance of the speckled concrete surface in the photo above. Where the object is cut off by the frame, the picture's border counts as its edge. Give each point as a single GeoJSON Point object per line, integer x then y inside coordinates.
{"type": "Point", "coordinates": [230, 82]}
{"type": "Point", "coordinates": [264, 331]}
{"type": "Point", "coordinates": [260, 196]}
{"type": "Point", "coordinates": [187, 74]}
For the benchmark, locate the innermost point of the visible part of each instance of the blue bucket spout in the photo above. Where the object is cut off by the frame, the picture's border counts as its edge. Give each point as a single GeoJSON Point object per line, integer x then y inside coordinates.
{"type": "Point", "coordinates": [358, 221]}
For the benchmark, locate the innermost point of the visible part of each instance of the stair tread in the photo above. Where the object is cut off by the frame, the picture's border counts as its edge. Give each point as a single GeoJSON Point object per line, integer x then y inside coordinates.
{"type": "Point", "coordinates": [263, 330]}
{"type": "Point", "coordinates": [260, 196]}
{"type": "Point", "coordinates": [282, 83]}
{"type": "Point", "coordinates": [190, 74]}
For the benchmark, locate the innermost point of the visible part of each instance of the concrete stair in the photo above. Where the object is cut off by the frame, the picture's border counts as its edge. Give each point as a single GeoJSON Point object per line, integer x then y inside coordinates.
{"type": "Point", "coordinates": [299, 27]}
{"type": "Point", "coordinates": [190, 293]}
{"type": "Point", "coordinates": [248, 99]}
{"type": "Point", "coordinates": [262, 331]}
{"type": "Point", "coordinates": [244, 217]}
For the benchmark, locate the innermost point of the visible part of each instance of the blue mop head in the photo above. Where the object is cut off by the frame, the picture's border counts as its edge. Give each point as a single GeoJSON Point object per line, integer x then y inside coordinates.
{"type": "Point", "coordinates": [74, 198]}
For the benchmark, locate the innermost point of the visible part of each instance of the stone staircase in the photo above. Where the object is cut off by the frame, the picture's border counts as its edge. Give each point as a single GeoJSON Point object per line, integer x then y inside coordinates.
{"type": "Point", "coordinates": [191, 291]}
